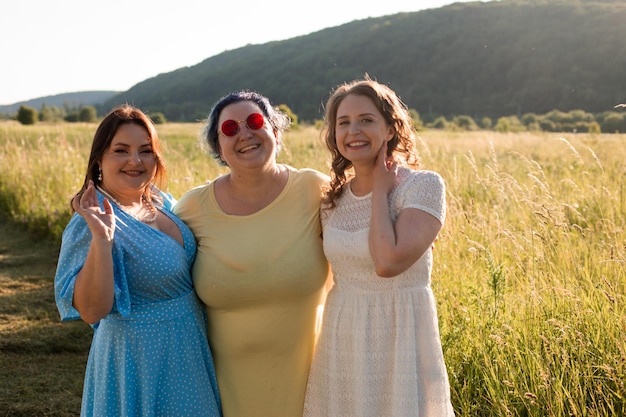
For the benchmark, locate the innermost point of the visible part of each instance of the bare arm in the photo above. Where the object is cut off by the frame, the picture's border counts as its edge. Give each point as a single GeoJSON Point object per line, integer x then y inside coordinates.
{"type": "Point", "coordinates": [394, 248]}
{"type": "Point", "coordinates": [93, 291]}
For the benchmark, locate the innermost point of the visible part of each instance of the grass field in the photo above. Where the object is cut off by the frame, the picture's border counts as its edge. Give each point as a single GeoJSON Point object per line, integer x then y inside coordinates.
{"type": "Point", "coordinates": [41, 360]}
{"type": "Point", "coordinates": [529, 274]}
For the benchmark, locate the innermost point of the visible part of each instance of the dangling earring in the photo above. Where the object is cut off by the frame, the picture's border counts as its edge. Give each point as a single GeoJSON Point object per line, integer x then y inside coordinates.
{"type": "Point", "coordinates": [100, 174]}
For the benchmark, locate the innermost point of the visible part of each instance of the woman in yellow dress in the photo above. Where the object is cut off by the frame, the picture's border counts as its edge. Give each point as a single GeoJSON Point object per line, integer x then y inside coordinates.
{"type": "Point", "coordinates": [260, 267]}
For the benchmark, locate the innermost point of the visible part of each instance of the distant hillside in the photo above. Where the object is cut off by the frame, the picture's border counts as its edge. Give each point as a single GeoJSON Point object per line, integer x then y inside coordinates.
{"type": "Point", "coordinates": [491, 59]}
{"type": "Point", "coordinates": [69, 100]}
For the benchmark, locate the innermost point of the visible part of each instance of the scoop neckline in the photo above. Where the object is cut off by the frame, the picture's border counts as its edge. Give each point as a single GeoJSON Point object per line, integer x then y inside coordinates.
{"type": "Point", "coordinates": [279, 197]}
{"type": "Point", "coordinates": [362, 197]}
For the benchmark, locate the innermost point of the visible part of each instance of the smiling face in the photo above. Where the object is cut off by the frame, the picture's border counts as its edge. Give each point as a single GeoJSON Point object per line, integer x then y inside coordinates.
{"type": "Point", "coordinates": [128, 164]}
{"type": "Point", "coordinates": [360, 129]}
{"type": "Point", "coordinates": [248, 147]}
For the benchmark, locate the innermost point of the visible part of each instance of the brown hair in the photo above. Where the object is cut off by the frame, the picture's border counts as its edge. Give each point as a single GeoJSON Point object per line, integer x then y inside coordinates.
{"type": "Point", "coordinates": [401, 146]}
{"type": "Point", "coordinates": [103, 137]}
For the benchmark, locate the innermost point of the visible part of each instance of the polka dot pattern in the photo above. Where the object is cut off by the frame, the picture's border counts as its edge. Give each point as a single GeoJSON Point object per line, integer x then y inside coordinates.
{"type": "Point", "coordinates": [149, 356]}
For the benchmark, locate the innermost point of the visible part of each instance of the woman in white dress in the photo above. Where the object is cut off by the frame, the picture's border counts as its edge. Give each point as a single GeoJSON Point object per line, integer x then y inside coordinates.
{"type": "Point", "coordinates": [379, 351]}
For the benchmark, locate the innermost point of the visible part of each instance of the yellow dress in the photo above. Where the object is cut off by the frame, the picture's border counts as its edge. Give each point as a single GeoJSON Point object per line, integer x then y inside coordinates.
{"type": "Point", "coordinates": [261, 277]}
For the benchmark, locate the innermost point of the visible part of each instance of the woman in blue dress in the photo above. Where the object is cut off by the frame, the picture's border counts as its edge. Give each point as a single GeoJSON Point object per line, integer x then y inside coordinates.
{"type": "Point", "coordinates": [124, 268]}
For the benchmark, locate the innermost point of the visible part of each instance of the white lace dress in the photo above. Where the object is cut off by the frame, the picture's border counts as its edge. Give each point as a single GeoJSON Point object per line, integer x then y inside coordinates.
{"type": "Point", "coordinates": [379, 351]}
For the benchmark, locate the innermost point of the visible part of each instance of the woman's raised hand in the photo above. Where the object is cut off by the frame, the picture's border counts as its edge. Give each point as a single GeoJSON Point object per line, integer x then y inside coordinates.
{"type": "Point", "coordinates": [101, 222]}
{"type": "Point", "coordinates": [385, 171]}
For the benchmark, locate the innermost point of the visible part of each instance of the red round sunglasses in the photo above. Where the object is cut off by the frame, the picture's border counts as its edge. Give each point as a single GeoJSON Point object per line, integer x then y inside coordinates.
{"type": "Point", "coordinates": [254, 122]}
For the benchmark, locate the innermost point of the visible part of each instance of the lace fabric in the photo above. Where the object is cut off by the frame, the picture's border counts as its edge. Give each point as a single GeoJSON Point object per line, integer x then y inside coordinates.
{"type": "Point", "coordinates": [379, 351]}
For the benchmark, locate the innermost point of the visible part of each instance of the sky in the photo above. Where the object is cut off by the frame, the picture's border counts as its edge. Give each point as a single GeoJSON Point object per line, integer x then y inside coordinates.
{"type": "Point", "coordinates": [50, 47]}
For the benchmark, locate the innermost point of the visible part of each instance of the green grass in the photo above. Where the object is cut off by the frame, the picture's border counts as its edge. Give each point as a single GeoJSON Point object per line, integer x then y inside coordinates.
{"type": "Point", "coordinates": [529, 273]}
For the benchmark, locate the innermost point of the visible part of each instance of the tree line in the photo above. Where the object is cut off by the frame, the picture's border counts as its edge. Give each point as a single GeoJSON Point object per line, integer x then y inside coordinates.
{"type": "Point", "coordinates": [574, 121]}
{"type": "Point", "coordinates": [28, 115]}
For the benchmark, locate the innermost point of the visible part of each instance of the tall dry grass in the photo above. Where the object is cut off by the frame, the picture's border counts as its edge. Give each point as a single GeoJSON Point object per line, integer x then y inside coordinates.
{"type": "Point", "coordinates": [530, 267]}
{"type": "Point", "coordinates": [530, 272]}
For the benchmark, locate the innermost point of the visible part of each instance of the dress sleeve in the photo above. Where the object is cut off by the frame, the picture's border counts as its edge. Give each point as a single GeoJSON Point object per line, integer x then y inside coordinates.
{"type": "Point", "coordinates": [168, 200]}
{"type": "Point", "coordinates": [319, 183]}
{"type": "Point", "coordinates": [188, 206]}
{"type": "Point", "coordinates": [423, 190]}
{"type": "Point", "coordinates": [74, 247]}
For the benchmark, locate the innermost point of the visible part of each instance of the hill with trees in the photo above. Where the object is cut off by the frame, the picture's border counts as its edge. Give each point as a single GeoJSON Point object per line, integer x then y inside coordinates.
{"type": "Point", "coordinates": [492, 59]}
{"type": "Point", "coordinates": [67, 101]}
{"type": "Point", "coordinates": [483, 60]}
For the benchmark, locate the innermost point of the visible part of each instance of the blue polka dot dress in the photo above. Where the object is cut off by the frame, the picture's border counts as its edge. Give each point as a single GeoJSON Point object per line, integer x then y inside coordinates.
{"type": "Point", "coordinates": [150, 355]}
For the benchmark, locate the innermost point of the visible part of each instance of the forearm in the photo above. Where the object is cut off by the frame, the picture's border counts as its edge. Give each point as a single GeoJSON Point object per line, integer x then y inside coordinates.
{"type": "Point", "coordinates": [93, 291]}
{"type": "Point", "coordinates": [382, 237]}
{"type": "Point", "coordinates": [394, 247]}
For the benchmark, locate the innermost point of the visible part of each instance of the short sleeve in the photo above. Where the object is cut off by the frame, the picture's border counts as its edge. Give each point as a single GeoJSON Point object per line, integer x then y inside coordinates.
{"type": "Point", "coordinates": [423, 190]}
{"type": "Point", "coordinates": [74, 247]}
{"type": "Point", "coordinates": [168, 201]}
{"type": "Point", "coordinates": [187, 208]}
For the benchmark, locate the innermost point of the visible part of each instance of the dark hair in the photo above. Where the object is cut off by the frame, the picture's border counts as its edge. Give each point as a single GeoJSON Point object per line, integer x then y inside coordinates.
{"type": "Point", "coordinates": [401, 146]}
{"type": "Point", "coordinates": [277, 119]}
{"type": "Point", "coordinates": [118, 116]}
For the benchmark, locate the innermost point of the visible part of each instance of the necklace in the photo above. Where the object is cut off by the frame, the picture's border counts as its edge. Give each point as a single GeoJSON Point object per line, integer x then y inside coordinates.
{"type": "Point", "coordinates": [147, 218]}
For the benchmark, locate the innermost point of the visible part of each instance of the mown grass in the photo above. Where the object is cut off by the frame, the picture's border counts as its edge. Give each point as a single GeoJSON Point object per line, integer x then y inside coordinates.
{"type": "Point", "coordinates": [529, 274]}
{"type": "Point", "coordinates": [42, 361]}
